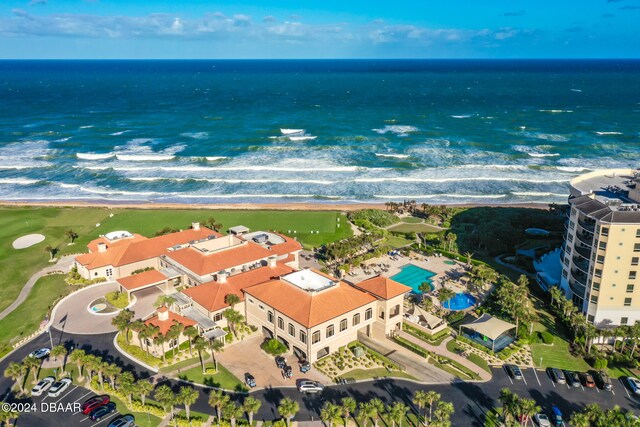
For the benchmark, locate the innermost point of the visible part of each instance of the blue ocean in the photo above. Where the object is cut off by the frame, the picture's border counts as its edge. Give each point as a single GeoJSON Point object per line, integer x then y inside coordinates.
{"type": "Point", "coordinates": [312, 131]}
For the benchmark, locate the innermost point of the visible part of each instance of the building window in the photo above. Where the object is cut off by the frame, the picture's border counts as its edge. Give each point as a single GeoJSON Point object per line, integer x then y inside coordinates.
{"type": "Point", "coordinates": [343, 325]}
{"type": "Point", "coordinates": [356, 319]}
{"type": "Point", "coordinates": [566, 261]}
{"type": "Point", "coordinates": [281, 323]}
{"type": "Point", "coordinates": [571, 237]}
{"type": "Point", "coordinates": [598, 272]}
{"type": "Point", "coordinates": [330, 331]}
{"type": "Point", "coordinates": [368, 314]}
{"type": "Point", "coordinates": [95, 274]}
{"type": "Point", "coordinates": [630, 288]}
{"type": "Point", "coordinates": [565, 273]}
{"type": "Point", "coordinates": [292, 330]}
{"type": "Point", "coordinates": [627, 302]}
{"type": "Point", "coordinates": [250, 301]}
{"type": "Point", "coordinates": [632, 275]}
{"type": "Point", "coordinates": [602, 245]}
{"type": "Point", "coordinates": [261, 307]}
{"type": "Point", "coordinates": [596, 286]}
{"type": "Point", "coordinates": [109, 272]}
{"type": "Point", "coordinates": [594, 299]}
{"type": "Point", "coordinates": [605, 231]}
{"type": "Point", "coordinates": [572, 224]}
{"type": "Point", "coordinates": [624, 320]}
{"type": "Point", "coordinates": [270, 316]}
{"type": "Point", "coordinates": [315, 338]}
{"type": "Point", "coordinates": [217, 317]}
{"type": "Point", "coordinates": [636, 247]}
{"type": "Point", "coordinates": [173, 343]}
{"type": "Point", "coordinates": [634, 260]}
{"type": "Point", "coordinates": [638, 232]}
{"type": "Point", "coordinates": [381, 313]}
{"type": "Point", "coordinates": [600, 259]}
{"type": "Point", "coordinates": [590, 318]}
{"type": "Point", "coordinates": [303, 337]}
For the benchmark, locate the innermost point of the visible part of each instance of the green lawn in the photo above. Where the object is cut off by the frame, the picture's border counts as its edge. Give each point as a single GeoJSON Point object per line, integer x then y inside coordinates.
{"type": "Point", "coordinates": [223, 379]}
{"type": "Point", "coordinates": [365, 374]}
{"type": "Point", "coordinates": [142, 419]}
{"type": "Point", "coordinates": [398, 242]}
{"type": "Point", "coordinates": [557, 355]}
{"type": "Point", "coordinates": [411, 220]}
{"type": "Point", "coordinates": [414, 228]}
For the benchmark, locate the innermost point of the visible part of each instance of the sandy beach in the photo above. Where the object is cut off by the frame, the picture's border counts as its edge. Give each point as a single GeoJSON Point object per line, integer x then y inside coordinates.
{"type": "Point", "coordinates": [346, 207]}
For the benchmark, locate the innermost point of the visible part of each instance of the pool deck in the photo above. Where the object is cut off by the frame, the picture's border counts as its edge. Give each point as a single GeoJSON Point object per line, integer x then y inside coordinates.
{"type": "Point", "coordinates": [445, 274]}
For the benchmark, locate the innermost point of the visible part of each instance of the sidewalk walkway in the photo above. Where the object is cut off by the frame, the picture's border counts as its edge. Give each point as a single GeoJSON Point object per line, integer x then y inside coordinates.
{"type": "Point", "coordinates": [443, 351]}
{"type": "Point", "coordinates": [413, 364]}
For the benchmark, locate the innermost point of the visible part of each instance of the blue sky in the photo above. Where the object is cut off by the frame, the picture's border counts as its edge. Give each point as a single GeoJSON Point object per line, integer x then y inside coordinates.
{"type": "Point", "coordinates": [319, 29]}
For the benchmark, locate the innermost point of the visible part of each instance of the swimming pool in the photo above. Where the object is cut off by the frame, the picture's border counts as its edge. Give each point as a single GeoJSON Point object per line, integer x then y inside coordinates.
{"type": "Point", "coordinates": [413, 276]}
{"type": "Point", "coordinates": [459, 302]}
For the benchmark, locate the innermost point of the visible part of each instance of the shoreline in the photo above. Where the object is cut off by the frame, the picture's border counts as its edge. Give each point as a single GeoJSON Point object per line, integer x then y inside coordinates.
{"type": "Point", "coordinates": [257, 206]}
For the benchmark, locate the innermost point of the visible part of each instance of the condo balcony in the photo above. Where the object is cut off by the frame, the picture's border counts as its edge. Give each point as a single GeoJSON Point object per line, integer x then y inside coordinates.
{"type": "Point", "coordinates": [577, 288]}
{"type": "Point", "coordinates": [579, 276]}
{"type": "Point", "coordinates": [581, 264]}
{"type": "Point", "coordinates": [589, 227]}
{"type": "Point", "coordinates": [583, 252]}
{"type": "Point", "coordinates": [585, 238]}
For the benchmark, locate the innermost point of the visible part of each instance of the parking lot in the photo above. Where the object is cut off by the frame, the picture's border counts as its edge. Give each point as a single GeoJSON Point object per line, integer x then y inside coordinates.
{"type": "Point", "coordinates": [63, 410]}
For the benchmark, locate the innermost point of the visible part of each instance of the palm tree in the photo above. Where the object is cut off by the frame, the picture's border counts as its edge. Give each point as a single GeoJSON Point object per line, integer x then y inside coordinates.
{"type": "Point", "coordinates": [233, 318]}
{"type": "Point", "coordinates": [231, 300]}
{"type": "Point", "coordinates": [160, 339]}
{"type": "Point", "coordinates": [32, 365]}
{"type": "Point", "coordinates": [190, 332]}
{"type": "Point", "coordinates": [420, 400]}
{"type": "Point", "coordinates": [123, 322]}
{"type": "Point", "coordinates": [187, 396]}
{"type": "Point", "coordinates": [469, 257]}
{"type": "Point", "coordinates": [217, 400]}
{"type": "Point", "coordinates": [635, 336]}
{"type": "Point", "coordinates": [127, 385]}
{"type": "Point", "coordinates": [444, 295]}
{"type": "Point", "coordinates": [397, 411]}
{"type": "Point", "coordinates": [90, 363]}
{"type": "Point", "coordinates": [78, 357]}
{"type": "Point", "coordinates": [174, 333]}
{"type": "Point", "coordinates": [143, 387]}
{"type": "Point", "coordinates": [509, 401]}
{"type": "Point", "coordinates": [164, 301]}
{"type": "Point", "coordinates": [16, 371]}
{"type": "Point", "coordinates": [232, 412]}
{"type": "Point", "coordinates": [7, 416]}
{"type": "Point", "coordinates": [590, 332]}
{"type": "Point", "coordinates": [348, 405]}
{"type": "Point", "coordinates": [425, 288]}
{"type": "Point", "coordinates": [166, 397]}
{"type": "Point", "coordinates": [59, 351]}
{"type": "Point", "coordinates": [147, 331]}
{"type": "Point", "coordinates": [251, 405]}
{"type": "Point", "coordinates": [200, 345]}
{"type": "Point", "coordinates": [556, 294]}
{"type": "Point", "coordinates": [101, 368]}
{"type": "Point", "coordinates": [111, 371]}
{"type": "Point", "coordinates": [215, 346]}
{"type": "Point", "coordinates": [288, 409]}
{"type": "Point", "coordinates": [578, 419]}
{"type": "Point", "coordinates": [52, 251]}
{"type": "Point", "coordinates": [443, 413]}
{"type": "Point", "coordinates": [329, 413]}
{"type": "Point", "coordinates": [72, 235]}
{"type": "Point", "coordinates": [527, 408]}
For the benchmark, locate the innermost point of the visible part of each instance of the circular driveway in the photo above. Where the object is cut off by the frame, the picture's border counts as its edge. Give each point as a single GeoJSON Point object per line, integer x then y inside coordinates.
{"type": "Point", "coordinates": [72, 316]}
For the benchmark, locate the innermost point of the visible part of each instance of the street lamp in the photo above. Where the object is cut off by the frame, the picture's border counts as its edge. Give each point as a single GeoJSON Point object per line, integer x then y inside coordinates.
{"type": "Point", "coordinates": [50, 338]}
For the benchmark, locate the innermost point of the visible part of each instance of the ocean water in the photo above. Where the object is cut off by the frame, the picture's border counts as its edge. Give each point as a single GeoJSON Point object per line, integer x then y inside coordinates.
{"type": "Point", "coordinates": [369, 131]}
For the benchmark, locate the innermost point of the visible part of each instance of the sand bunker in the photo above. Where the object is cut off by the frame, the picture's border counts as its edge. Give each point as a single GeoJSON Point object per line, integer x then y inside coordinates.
{"type": "Point", "coordinates": [28, 240]}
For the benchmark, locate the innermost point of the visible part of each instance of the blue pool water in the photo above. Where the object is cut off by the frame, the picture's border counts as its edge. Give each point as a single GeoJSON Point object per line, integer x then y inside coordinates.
{"type": "Point", "coordinates": [460, 302]}
{"type": "Point", "coordinates": [413, 276]}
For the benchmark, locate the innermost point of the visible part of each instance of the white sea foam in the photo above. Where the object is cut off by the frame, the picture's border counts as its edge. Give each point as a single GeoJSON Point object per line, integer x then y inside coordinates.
{"type": "Point", "coordinates": [19, 167]}
{"type": "Point", "coordinates": [575, 90]}
{"type": "Point", "coordinates": [18, 181]}
{"type": "Point", "coordinates": [256, 196]}
{"type": "Point", "coordinates": [302, 138]}
{"type": "Point", "coordinates": [108, 191]}
{"type": "Point", "coordinates": [63, 139]}
{"type": "Point", "coordinates": [145, 157]}
{"type": "Point", "coordinates": [537, 194]}
{"type": "Point", "coordinates": [237, 181]}
{"type": "Point", "coordinates": [86, 127]}
{"type": "Point", "coordinates": [571, 168]}
{"type": "Point", "coordinates": [543, 154]}
{"type": "Point", "coordinates": [229, 168]}
{"type": "Point", "coordinates": [215, 158]}
{"type": "Point", "coordinates": [462, 179]}
{"type": "Point", "coordinates": [393, 156]}
{"type": "Point", "coordinates": [195, 135]}
{"type": "Point", "coordinates": [556, 111]}
{"type": "Point", "coordinates": [291, 131]}
{"type": "Point", "coordinates": [461, 116]}
{"type": "Point", "coordinates": [432, 196]}
{"type": "Point", "coordinates": [119, 133]}
{"type": "Point", "coordinates": [609, 133]}
{"type": "Point", "coordinates": [399, 130]}
{"type": "Point", "coordinates": [95, 156]}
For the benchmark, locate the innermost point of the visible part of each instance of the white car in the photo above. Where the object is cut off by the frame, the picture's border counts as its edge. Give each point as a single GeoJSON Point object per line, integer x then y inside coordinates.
{"type": "Point", "coordinates": [634, 384]}
{"type": "Point", "coordinates": [310, 387]}
{"type": "Point", "coordinates": [40, 353]}
{"type": "Point", "coordinates": [59, 387]}
{"type": "Point", "coordinates": [542, 420]}
{"type": "Point", "coordinates": [42, 386]}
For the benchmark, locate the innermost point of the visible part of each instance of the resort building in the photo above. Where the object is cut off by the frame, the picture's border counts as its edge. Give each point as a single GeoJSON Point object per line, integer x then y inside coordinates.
{"type": "Point", "coordinates": [601, 254]}
{"type": "Point", "coordinates": [312, 313]}
{"type": "Point", "coordinates": [164, 320]}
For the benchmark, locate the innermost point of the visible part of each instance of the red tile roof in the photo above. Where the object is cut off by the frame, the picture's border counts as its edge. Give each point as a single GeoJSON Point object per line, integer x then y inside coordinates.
{"type": "Point", "coordinates": [165, 325]}
{"type": "Point", "coordinates": [211, 295]}
{"type": "Point", "coordinates": [203, 264]}
{"type": "Point", "coordinates": [383, 287]}
{"type": "Point", "coordinates": [138, 248]}
{"type": "Point", "coordinates": [310, 309]}
{"type": "Point", "coordinates": [289, 246]}
{"type": "Point", "coordinates": [146, 278]}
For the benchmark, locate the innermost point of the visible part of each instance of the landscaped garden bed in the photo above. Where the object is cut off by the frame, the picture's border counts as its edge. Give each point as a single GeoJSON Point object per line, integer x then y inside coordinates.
{"type": "Point", "coordinates": [359, 360]}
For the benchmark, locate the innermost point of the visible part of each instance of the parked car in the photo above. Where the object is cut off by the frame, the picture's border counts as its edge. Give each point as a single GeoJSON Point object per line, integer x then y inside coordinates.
{"type": "Point", "coordinates": [59, 387]}
{"type": "Point", "coordinates": [40, 353]}
{"type": "Point", "coordinates": [603, 381]}
{"type": "Point", "coordinates": [123, 421]}
{"type": "Point", "coordinates": [587, 380]}
{"type": "Point", "coordinates": [557, 417]}
{"type": "Point", "coordinates": [281, 362]}
{"type": "Point", "coordinates": [514, 371]}
{"type": "Point", "coordinates": [42, 386]}
{"type": "Point", "coordinates": [556, 375]}
{"type": "Point", "coordinates": [573, 379]}
{"type": "Point", "coordinates": [542, 420]}
{"type": "Point", "coordinates": [96, 401]}
{"type": "Point", "coordinates": [101, 411]}
{"type": "Point", "coordinates": [634, 384]}
{"type": "Point", "coordinates": [307, 386]}
{"type": "Point", "coordinates": [287, 372]}
{"type": "Point", "coordinates": [249, 380]}
{"type": "Point", "coordinates": [305, 366]}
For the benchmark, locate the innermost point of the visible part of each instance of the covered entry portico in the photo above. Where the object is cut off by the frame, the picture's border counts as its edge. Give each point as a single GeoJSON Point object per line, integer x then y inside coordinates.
{"type": "Point", "coordinates": [164, 279]}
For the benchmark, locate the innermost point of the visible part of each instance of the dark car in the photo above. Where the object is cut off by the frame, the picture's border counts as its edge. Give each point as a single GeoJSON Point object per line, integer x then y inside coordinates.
{"type": "Point", "coordinates": [557, 375]}
{"type": "Point", "coordinates": [249, 380]}
{"type": "Point", "coordinates": [281, 362]}
{"type": "Point", "coordinates": [123, 421]}
{"type": "Point", "coordinates": [96, 401]}
{"type": "Point", "coordinates": [305, 366]}
{"type": "Point", "coordinates": [573, 379]}
{"type": "Point", "coordinates": [101, 411]}
{"type": "Point", "coordinates": [514, 371]}
{"type": "Point", "coordinates": [603, 381]}
{"type": "Point", "coordinates": [288, 372]}
{"type": "Point", "coordinates": [587, 380]}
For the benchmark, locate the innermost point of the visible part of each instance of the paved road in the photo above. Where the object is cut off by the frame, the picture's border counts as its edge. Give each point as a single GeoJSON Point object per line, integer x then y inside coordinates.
{"type": "Point", "coordinates": [471, 400]}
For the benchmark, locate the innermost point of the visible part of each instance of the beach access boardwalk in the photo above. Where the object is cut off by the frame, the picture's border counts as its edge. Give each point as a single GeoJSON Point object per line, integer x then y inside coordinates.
{"type": "Point", "coordinates": [63, 266]}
